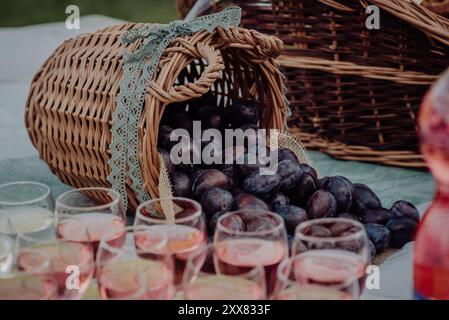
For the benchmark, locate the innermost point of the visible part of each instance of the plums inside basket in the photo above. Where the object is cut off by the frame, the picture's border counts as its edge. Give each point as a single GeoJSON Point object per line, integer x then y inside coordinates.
{"type": "Point", "coordinates": [294, 190]}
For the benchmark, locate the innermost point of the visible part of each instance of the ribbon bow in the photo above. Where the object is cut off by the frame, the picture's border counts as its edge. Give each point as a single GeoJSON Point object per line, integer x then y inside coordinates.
{"type": "Point", "coordinates": [124, 160]}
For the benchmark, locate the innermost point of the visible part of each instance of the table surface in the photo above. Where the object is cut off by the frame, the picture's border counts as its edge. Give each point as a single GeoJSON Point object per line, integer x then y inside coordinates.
{"type": "Point", "coordinates": [25, 49]}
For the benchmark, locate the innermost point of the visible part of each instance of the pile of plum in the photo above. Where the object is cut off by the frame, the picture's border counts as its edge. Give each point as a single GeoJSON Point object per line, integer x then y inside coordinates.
{"type": "Point", "coordinates": [295, 191]}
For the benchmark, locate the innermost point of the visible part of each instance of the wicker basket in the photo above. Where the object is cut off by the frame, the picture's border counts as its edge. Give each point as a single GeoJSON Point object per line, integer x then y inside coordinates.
{"type": "Point", "coordinates": [355, 93]}
{"type": "Point", "coordinates": [438, 6]}
{"type": "Point", "coordinates": [72, 98]}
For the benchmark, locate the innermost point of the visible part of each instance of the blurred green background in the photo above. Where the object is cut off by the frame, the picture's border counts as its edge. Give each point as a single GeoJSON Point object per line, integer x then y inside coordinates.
{"type": "Point", "coordinates": [25, 12]}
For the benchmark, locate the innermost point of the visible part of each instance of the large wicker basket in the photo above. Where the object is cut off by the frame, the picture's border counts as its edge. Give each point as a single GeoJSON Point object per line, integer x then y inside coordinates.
{"type": "Point", "coordinates": [355, 92]}
{"type": "Point", "coordinates": [72, 98]}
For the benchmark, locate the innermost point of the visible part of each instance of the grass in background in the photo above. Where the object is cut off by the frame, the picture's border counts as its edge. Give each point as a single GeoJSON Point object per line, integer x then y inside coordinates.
{"type": "Point", "coordinates": [25, 12]}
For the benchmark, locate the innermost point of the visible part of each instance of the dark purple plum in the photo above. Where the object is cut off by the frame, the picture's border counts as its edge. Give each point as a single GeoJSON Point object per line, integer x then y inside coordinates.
{"type": "Point", "coordinates": [402, 231]}
{"type": "Point", "coordinates": [260, 223]}
{"type": "Point", "coordinates": [181, 184]}
{"type": "Point", "coordinates": [305, 188]}
{"type": "Point", "coordinates": [208, 179]}
{"type": "Point", "coordinates": [364, 199]}
{"type": "Point", "coordinates": [249, 164]}
{"type": "Point", "coordinates": [403, 208]}
{"type": "Point", "coordinates": [342, 190]}
{"type": "Point", "coordinates": [290, 173]}
{"type": "Point", "coordinates": [249, 201]}
{"type": "Point", "coordinates": [186, 212]}
{"type": "Point", "coordinates": [317, 231]}
{"type": "Point", "coordinates": [380, 216]}
{"type": "Point", "coordinates": [279, 200]}
{"type": "Point", "coordinates": [231, 154]}
{"type": "Point", "coordinates": [215, 200]}
{"type": "Point", "coordinates": [167, 161]}
{"type": "Point", "coordinates": [234, 222]}
{"type": "Point", "coordinates": [210, 117]}
{"type": "Point", "coordinates": [163, 140]}
{"type": "Point", "coordinates": [348, 216]}
{"type": "Point", "coordinates": [340, 228]}
{"type": "Point", "coordinates": [292, 216]}
{"type": "Point", "coordinates": [201, 110]}
{"type": "Point", "coordinates": [250, 133]}
{"type": "Point", "coordinates": [353, 245]}
{"type": "Point", "coordinates": [298, 246]}
{"type": "Point", "coordinates": [322, 181]}
{"type": "Point", "coordinates": [308, 169]}
{"type": "Point", "coordinates": [321, 204]}
{"type": "Point", "coordinates": [379, 235]}
{"type": "Point", "coordinates": [211, 149]}
{"type": "Point", "coordinates": [232, 173]}
{"type": "Point", "coordinates": [243, 112]}
{"type": "Point", "coordinates": [186, 150]}
{"type": "Point", "coordinates": [214, 121]}
{"type": "Point", "coordinates": [262, 185]}
{"type": "Point", "coordinates": [286, 154]}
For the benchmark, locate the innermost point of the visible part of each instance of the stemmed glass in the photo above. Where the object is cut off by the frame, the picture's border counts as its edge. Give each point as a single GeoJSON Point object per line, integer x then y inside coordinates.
{"type": "Point", "coordinates": [70, 263]}
{"type": "Point", "coordinates": [6, 252]}
{"type": "Point", "coordinates": [34, 283]}
{"type": "Point", "coordinates": [26, 207]}
{"type": "Point", "coordinates": [249, 238]}
{"type": "Point", "coordinates": [126, 272]}
{"type": "Point", "coordinates": [203, 279]}
{"type": "Point", "coordinates": [182, 222]}
{"type": "Point", "coordinates": [294, 284]}
{"type": "Point", "coordinates": [99, 216]}
{"type": "Point", "coordinates": [334, 249]}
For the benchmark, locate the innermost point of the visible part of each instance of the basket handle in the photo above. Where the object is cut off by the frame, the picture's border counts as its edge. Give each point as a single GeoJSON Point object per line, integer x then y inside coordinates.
{"type": "Point", "coordinates": [196, 89]}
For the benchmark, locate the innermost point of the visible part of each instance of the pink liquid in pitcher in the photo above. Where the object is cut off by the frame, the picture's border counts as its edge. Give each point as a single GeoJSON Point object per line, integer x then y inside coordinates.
{"type": "Point", "coordinates": [431, 257]}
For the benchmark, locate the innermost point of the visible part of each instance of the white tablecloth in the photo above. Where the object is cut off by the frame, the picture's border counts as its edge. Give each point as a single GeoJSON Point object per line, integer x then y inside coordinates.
{"type": "Point", "coordinates": [22, 52]}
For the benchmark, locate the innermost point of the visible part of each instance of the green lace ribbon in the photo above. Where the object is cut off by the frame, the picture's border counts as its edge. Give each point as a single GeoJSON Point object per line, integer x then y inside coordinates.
{"type": "Point", "coordinates": [139, 67]}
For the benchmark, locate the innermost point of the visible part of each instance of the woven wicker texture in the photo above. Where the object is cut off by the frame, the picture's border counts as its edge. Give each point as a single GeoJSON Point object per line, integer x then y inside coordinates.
{"type": "Point", "coordinates": [72, 97]}
{"type": "Point", "coordinates": [355, 92]}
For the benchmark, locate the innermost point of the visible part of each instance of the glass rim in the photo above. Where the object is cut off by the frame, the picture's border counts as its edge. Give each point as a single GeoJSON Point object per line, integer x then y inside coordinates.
{"type": "Point", "coordinates": [213, 246]}
{"type": "Point", "coordinates": [115, 199]}
{"type": "Point", "coordinates": [139, 215]}
{"type": "Point", "coordinates": [300, 236]}
{"type": "Point", "coordinates": [43, 241]}
{"type": "Point", "coordinates": [63, 218]}
{"type": "Point", "coordinates": [126, 230]}
{"type": "Point", "coordinates": [280, 275]}
{"type": "Point", "coordinates": [277, 228]}
{"type": "Point", "coordinates": [37, 199]}
{"type": "Point", "coordinates": [41, 270]}
{"type": "Point", "coordinates": [129, 230]}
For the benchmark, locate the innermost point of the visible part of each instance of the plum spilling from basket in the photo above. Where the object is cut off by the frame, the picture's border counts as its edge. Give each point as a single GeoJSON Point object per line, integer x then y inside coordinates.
{"type": "Point", "coordinates": [294, 190]}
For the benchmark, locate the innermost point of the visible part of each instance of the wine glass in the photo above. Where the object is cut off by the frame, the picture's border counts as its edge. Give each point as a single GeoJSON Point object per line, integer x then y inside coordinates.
{"type": "Point", "coordinates": [34, 283]}
{"type": "Point", "coordinates": [336, 246]}
{"type": "Point", "coordinates": [26, 207]}
{"type": "Point", "coordinates": [125, 272]}
{"type": "Point", "coordinates": [6, 252]}
{"type": "Point", "coordinates": [203, 279]}
{"type": "Point", "coordinates": [99, 216]}
{"type": "Point", "coordinates": [294, 282]}
{"type": "Point", "coordinates": [251, 238]}
{"type": "Point", "coordinates": [181, 220]}
{"type": "Point", "coordinates": [71, 263]}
